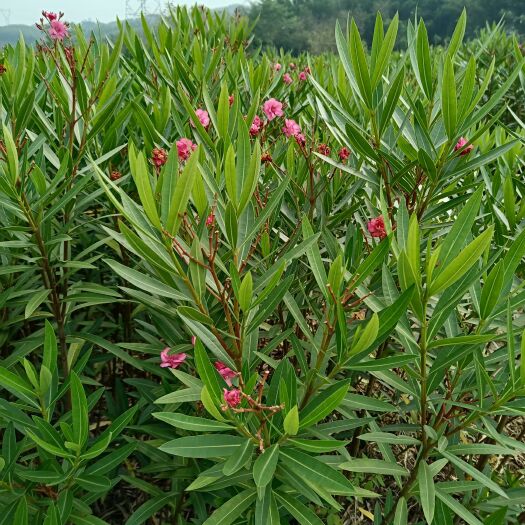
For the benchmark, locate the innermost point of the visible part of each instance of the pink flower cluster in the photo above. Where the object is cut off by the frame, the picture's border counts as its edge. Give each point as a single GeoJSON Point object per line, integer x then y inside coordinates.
{"type": "Point", "coordinates": [256, 126]}
{"type": "Point", "coordinates": [203, 117]}
{"type": "Point", "coordinates": [462, 142]}
{"type": "Point", "coordinates": [159, 157]}
{"type": "Point", "coordinates": [273, 108]}
{"type": "Point", "coordinates": [287, 78]}
{"type": "Point", "coordinates": [58, 30]}
{"type": "Point", "coordinates": [225, 372]}
{"type": "Point", "coordinates": [376, 227]}
{"type": "Point", "coordinates": [185, 147]}
{"type": "Point", "coordinates": [171, 361]}
{"type": "Point", "coordinates": [343, 154]}
{"type": "Point", "coordinates": [232, 397]}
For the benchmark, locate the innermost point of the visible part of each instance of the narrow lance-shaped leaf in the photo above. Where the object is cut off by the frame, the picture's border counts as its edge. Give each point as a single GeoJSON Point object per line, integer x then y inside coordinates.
{"type": "Point", "coordinates": [462, 263]}
{"type": "Point", "coordinates": [427, 491]}
{"type": "Point", "coordinates": [182, 193]}
{"type": "Point", "coordinates": [264, 466]}
{"type": "Point", "coordinates": [449, 99]}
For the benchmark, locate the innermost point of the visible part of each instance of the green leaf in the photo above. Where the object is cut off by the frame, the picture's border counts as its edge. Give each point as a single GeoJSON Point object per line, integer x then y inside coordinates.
{"type": "Point", "coordinates": [371, 262]}
{"type": "Point", "coordinates": [230, 176]}
{"type": "Point", "coordinates": [463, 340]}
{"type": "Point", "coordinates": [251, 178]}
{"type": "Point", "coordinates": [194, 424]}
{"type": "Point", "coordinates": [461, 228]}
{"type": "Point", "coordinates": [237, 461]}
{"type": "Point", "coordinates": [423, 60]}
{"type": "Point", "coordinates": [427, 491]}
{"type": "Point", "coordinates": [474, 473]}
{"type": "Point", "coordinates": [323, 404]}
{"type": "Point", "coordinates": [401, 515]}
{"type": "Point", "coordinates": [266, 511]}
{"type": "Point", "coordinates": [291, 421]}
{"type": "Point", "coordinates": [12, 154]}
{"type": "Point", "coordinates": [317, 446]}
{"type": "Point", "coordinates": [374, 466]}
{"type": "Point", "coordinates": [299, 511]}
{"type": "Point", "coordinates": [246, 292]}
{"type": "Point", "coordinates": [232, 509]}
{"type": "Point", "coordinates": [35, 301]}
{"type": "Point", "coordinates": [148, 509]}
{"type": "Point", "coordinates": [360, 66]}
{"type": "Point", "coordinates": [21, 515]}
{"type": "Point", "coordinates": [264, 466]}
{"type": "Point", "coordinates": [490, 295]}
{"type": "Point", "coordinates": [314, 258]}
{"type": "Point", "coordinates": [93, 483]}
{"type": "Point", "coordinates": [208, 373]}
{"type": "Point", "coordinates": [461, 264]}
{"type": "Point", "coordinates": [184, 395]}
{"type": "Point", "coordinates": [457, 508]}
{"type": "Point", "coordinates": [366, 336]}
{"type": "Point", "coordinates": [79, 410]}
{"type": "Point", "coordinates": [17, 386]}
{"type": "Point", "coordinates": [145, 282]}
{"type": "Point", "coordinates": [141, 176]}
{"type": "Point", "coordinates": [385, 52]}
{"type": "Point", "coordinates": [316, 473]}
{"type": "Point", "coordinates": [223, 112]}
{"type": "Point", "coordinates": [182, 193]}
{"type": "Point", "coordinates": [449, 99]}
{"type": "Point", "coordinates": [206, 446]}
{"type": "Point", "coordinates": [391, 439]}
{"type": "Point", "coordinates": [457, 36]}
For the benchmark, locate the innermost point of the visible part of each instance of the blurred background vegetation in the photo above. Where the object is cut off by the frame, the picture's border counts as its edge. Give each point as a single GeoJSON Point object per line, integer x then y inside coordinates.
{"type": "Point", "coordinates": [308, 25]}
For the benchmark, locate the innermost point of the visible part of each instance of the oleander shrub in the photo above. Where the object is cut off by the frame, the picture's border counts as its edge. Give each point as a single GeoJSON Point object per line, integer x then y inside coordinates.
{"type": "Point", "coordinates": [240, 287]}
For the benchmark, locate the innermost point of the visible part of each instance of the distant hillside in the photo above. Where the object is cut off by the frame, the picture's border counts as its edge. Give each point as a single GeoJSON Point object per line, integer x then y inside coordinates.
{"type": "Point", "coordinates": [10, 34]}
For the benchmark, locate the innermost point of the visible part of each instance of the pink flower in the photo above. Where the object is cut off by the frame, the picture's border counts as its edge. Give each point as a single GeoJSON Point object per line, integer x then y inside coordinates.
{"type": "Point", "coordinates": [291, 128]}
{"type": "Point", "coordinates": [461, 143]}
{"type": "Point", "coordinates": [159, 157]}
{"type": "Point", "coordinates": [256, 126]}
{"type": "Point", "coordinates": [287, 79]}
{"type": "Point", "coordinates": [171, 361]}
{"type": "Point", "coordinates": [376, 227]}
{"type": "Point", "coordinates": [226, 373]}
{"type": "Point", "coordinates": [58, 30]}
{"type": "Point", "coordinates": [231, 100]}
{"type": "Point", "coordinates": [203, 117]}
{"type": "Point", "coordinates": [232, 397]}
{"type": "Point", "coordinates": [307, 70]}
{"type": "Point", "coordinates": [299, 138]}
{"type": "Point", "coordinates": [273, 108]}
{"type": "Point", "coordinates": [323, 149]}
{"type": "Point", "coordinates": [302, 76]}
{"type": "Point", "coordinates": [210, 219]}
{"type": "Point", "coordinates": [344, 153]}
{"type": "Point", "coordinates": [184, 148]}
{"type": "Point", "coordinates": [50, 16]}
{"type": "Point", "coordinates": [277, 66]}
{"type": "Point", "coordinates": [193, 339]}
{"type": "Point", "coordinates": [292, 66]}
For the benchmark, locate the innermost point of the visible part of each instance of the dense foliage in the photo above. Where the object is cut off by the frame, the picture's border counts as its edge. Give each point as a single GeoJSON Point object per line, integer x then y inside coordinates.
{"type": "Point", "coordinates": [240, 288]}
{"type": "Point", "coordinates": [308, 25]}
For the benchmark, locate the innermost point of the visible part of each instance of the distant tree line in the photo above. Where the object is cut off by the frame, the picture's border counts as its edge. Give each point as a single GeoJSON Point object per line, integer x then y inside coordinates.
{"type": "Point", "coordinates": [308, 25]}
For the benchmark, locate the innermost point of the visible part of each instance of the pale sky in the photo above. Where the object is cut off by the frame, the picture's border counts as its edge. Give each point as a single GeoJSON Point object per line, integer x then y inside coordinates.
{"type": "Point", "coordinates": [28, 11]}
